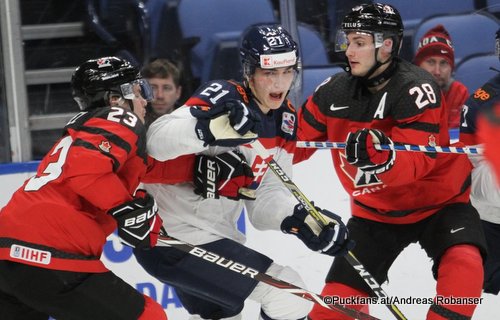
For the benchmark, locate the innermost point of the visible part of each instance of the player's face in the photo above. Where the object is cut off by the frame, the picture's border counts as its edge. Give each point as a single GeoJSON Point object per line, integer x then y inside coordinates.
{"type": "Point", "coordinates": [270, 86]}
{"type": "Point", "coordinates": [139, 103]}
{"type": "Point", "coordinates": [439, 68]}
{"type": "Point", "coordinates": [166, 94]}
{"type": "Point", "coordinates": [360, 53]}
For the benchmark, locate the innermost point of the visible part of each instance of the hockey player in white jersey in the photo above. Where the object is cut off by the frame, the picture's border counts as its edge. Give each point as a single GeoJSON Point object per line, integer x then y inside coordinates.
{"type": "Point", "coordinates": [210, 138]}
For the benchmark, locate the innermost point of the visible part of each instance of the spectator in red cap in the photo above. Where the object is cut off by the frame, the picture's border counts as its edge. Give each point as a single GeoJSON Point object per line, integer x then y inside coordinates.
{"type": "Point", "coordinates": [435, 55]}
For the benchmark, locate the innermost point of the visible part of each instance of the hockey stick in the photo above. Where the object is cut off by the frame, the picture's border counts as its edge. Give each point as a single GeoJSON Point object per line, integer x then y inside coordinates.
{"type": "Point", "coordinates": [318, 217]}
{"type": "Point", "coordinates": [168, 241]}
{"type": "Point", "coordinates": [401, 147]}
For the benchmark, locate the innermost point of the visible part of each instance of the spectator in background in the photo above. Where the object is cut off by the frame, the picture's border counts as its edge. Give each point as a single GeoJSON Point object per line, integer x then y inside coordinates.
{"type": "Point", "coordinates": [164, 78]}
{"type": "Point", "coordinates": [435, 55]}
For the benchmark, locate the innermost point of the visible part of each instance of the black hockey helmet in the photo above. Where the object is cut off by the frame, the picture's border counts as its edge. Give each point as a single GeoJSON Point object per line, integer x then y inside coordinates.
{"type": "Point", "coordinates": [380, 20]}
{"type": "Point", "coordinates": [95, 79]}
{"type": "Point", "coordinates": [267, 46]}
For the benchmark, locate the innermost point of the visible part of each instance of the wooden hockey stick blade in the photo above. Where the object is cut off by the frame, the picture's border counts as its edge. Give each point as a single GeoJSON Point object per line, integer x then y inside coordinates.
{"type": "Point", "coordinates": [318, 217]}
{"type": "Point", "coordinates": [210, 257]}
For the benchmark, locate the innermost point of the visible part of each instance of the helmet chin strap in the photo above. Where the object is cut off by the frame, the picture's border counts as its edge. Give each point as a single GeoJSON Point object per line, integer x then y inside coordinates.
{"type": "Point", "coordinates": [383, 76]}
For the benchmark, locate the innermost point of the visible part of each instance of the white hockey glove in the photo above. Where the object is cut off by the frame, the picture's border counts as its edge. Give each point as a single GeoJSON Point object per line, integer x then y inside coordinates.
{"type": "Point", "coordinates": [332, 239]}
{"type": "Point", "coordinates": [229, 123]}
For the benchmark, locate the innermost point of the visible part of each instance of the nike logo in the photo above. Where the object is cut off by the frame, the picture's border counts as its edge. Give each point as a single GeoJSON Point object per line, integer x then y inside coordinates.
{"type": "Point", "coordinates": [333, 108]}
{"type": "Point", "coordinates": [456, 230]}
{"type": "Point", "coordinates": [444, 51]}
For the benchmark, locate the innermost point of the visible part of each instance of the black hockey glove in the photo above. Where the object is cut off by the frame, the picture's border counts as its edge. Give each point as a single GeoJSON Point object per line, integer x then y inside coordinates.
{"type": "Point", "coordinates": [226, 174]}
{"type": "Point", "coordinates": [138, 221]}
{"type": "Point", "coordinates": [229, 123]}
{"type": "Point", "coordinates": [332, 239]}
{"type": "Point", "coordinates": [361, 152]}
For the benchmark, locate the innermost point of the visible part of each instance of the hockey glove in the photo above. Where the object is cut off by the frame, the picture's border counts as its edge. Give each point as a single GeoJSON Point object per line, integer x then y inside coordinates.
{"type": "Point", "coordinates": [332, 239]}
{"type": "Point", "coordinates": [138, 221]}
{"type": "Point", "coordinates": [229, 123]}
{"type": "Point", "coordinates": [226, 174]}
{"type": "Point", "coordinates": [361, 152]}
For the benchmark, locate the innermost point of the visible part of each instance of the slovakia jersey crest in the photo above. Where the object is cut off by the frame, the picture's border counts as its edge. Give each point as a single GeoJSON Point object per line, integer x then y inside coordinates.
{"type": "Point", "coordinates": [288, 122]}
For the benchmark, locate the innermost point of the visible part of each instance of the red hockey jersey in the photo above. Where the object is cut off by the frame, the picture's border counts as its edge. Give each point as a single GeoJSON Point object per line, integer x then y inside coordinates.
{"type": "Point", "coordinates": [408, 109]}
{"type": "Point", "coordinates": [57, 219]}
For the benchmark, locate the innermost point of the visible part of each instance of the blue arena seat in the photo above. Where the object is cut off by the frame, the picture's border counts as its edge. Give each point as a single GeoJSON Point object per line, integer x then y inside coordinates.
{"type": "Point", "coordinates": [200, 20]}
{"type": "Point", "coordinates": [313, 76]}
{"type": "Point", "coordinates": [493, 6]}
{"type": "Point", "coordinates": [475, 70]}
{"type": "Point", "coordinates": [470, 33]}
{"type": "Point", "coordinates": [414, 12]}
{"type": "Point", "coordinates": [164, 29]}
{"type": "Point", "coordinates": [223, 57]}
{"type": "Point", "coordinates": [313, 51]}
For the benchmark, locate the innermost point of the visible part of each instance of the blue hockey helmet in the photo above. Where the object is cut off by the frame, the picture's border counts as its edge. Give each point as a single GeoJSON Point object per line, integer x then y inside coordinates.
{"type": "Point", "coordinates": [267, 46]}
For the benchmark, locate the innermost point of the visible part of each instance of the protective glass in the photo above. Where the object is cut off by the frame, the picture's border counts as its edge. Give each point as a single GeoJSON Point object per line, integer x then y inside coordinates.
{"type": "Point", "coordinates": [127, 89]}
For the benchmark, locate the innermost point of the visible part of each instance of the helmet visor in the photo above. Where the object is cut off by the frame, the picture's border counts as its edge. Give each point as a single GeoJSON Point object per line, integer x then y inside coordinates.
{"type": "Point", "coordinates": [342, 42]}
{"type": "Point", "coordinates": [127, 89]}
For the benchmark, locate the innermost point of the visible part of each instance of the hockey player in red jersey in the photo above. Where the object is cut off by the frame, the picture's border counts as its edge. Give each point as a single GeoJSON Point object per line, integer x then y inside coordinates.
{"type": "Point", "coordinates": [396, 198]}
{"type": "Point", "coordinates": [479, 125]}
{"type": "Point", "coordinates": [205, 213]}
{"type": "Point", "coordinates": [53, 230]}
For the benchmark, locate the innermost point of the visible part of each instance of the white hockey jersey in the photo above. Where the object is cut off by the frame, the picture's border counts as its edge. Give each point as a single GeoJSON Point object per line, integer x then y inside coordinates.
{"type": "Point", "coordinates": [191, 218]}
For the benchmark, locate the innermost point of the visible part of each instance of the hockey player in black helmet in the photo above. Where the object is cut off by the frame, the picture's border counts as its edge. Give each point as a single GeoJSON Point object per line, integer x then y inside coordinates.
{"type": "Point", "coordinates": [228, 176]}
{"type": "Point", "coordinates": [54, 228]}
{"type": "Point", "coordinates": [96, 80]}
{"type": "Point", "coordinates": [396, 199]}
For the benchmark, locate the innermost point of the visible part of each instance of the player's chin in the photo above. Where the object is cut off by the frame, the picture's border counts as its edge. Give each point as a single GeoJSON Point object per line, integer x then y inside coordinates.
{"type": "Point", "coordinates": [275, 102]}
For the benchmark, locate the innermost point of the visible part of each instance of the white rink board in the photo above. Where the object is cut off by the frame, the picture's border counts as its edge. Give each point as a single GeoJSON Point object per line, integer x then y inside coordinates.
{"type": "Point", "coordinates": [410, 276]}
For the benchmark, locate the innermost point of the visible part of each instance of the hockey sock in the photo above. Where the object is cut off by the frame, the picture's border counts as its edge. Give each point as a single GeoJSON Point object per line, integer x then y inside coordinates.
{"type": "Point", "coordinates": [152, 310]}
{"type": "Point", "coordinates": [336, 290]}
{"type": "Point", "coordinates": [460, 275]}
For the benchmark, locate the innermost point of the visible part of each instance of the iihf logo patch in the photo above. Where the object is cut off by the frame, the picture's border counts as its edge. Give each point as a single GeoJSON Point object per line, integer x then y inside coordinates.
{"type": "Point", "coordinates": [288, 122]}
{"type": "Point", "coordinates": [16, 252]}
{"type": "Point", "coordinates": [30, 254]}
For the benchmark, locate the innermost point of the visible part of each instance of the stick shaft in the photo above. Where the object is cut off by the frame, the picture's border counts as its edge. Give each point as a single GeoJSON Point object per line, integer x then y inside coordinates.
{"type": "Point", "coordinates": [318, 217]}
{"type": "Point", "coordinates": [399, 147]}
{"type": "Point", "coordinates": [210, 257]}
